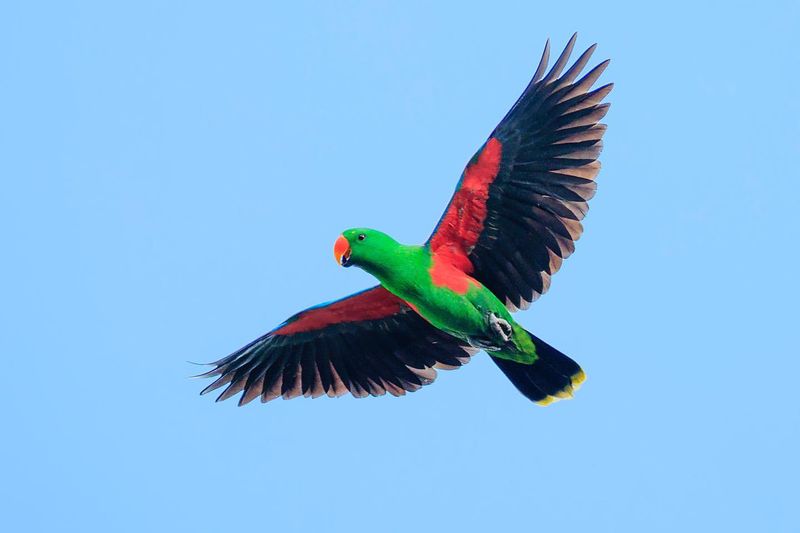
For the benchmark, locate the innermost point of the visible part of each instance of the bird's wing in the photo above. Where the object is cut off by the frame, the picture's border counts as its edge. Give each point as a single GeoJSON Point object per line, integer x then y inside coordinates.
{"type": "Point", "coordinates": [368, 343]}
{"type": "Point", "coordinates": [517, 209]}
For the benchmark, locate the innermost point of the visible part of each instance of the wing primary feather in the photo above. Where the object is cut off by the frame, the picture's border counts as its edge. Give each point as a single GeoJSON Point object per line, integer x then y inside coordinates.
{"type": "Point", "coordinates": [219, 382]}
{"type": "Point", "coordinates": [391, 371]}
{"type": "Point", "coordinates": [338, 365]}
{"type": "Point", "coordinates": [576, 68]}
{"type": "Point", "coordinates": [234, 388]}
{"type": "Point", "coordinates": [292, 384]}
{"type": "Point", "coordinates": [240, 374]}
{"type": "Point", "coordinates": [557, 207]}
{"type": "Point", "coordinates": [589, 150]}
{"type": "Point", "coordinates": [273, 378]}
{"type": "Point", "coordinates": [324, 365]}
{"type": "Point", "coordinates": [523, 270]}
{"type": "Point", "coordinates": [418, 359]}
{"type": "Point", "coordinates": [497, 281]}
{"type": "Point", "coordinates": [235, 359]}
{"type": "Point", "coordinates": [532, 85]}
{"type": "Point", "coordinates": [255, 381]}
{"type": "Point", "coordinates": [359, 384]}
{"type": "Point", "coordinates": [585, 83]}
{"type": "Point", "coordinates": [308, 369]}
{"type": "Point", "coordinates": [586, 100]}
{"type": "Point", "coordinates": [561, 62]}
{"type": "Point", "coordinates": [252, 390]}
{"type": "Point", "coordinates": [594, 133]}
{"type": "Point", "coordinates": [337, 385]}
{"type": "Point", "coordinates": [546, 237]}
{"type": "Point", "coordinates": [542, 65]}
{"type": "Point", "coordinates": [376, 372]}
{"type": "Point", "coordinates": [554, 185]}
{"type": "Point", "coordinates": [537, 250]}
{"type": "Point", "coordinates": [585, 117]}
{"type": "Point", "coordinates": [367, 376]}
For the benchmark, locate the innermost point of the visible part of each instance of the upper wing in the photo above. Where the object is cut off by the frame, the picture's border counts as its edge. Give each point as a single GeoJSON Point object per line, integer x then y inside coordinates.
{"type": "Point", "coordinates": [516, 211]}
{"type": "Point", "coordinates": [370, 342]}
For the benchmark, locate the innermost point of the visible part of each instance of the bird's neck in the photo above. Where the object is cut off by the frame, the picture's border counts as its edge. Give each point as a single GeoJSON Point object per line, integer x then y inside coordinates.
{"type": "Point", "coordinates": [399, 268]}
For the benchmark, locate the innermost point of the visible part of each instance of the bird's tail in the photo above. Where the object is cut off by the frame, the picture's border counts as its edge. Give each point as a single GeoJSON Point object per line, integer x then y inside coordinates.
{"type": "Point", "coordinates": [551, 377]}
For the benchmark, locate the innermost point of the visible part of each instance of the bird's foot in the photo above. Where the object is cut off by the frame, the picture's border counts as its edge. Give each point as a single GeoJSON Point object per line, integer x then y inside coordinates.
{"type": "Point", "coordinates": [500, 327]}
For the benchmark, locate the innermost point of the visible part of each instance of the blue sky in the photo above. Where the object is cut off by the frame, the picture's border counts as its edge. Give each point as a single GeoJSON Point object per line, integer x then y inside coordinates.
{"type": "Point", "coordinates": [174, 177]}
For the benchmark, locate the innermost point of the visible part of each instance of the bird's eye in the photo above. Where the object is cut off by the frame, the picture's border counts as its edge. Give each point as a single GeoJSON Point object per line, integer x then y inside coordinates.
{"type": "Point", "coordinates": [361, 236]}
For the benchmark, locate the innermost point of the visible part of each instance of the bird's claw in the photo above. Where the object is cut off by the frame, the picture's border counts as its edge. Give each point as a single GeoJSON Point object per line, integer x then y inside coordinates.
{"type": "Point", "coordinates": [500, 326]}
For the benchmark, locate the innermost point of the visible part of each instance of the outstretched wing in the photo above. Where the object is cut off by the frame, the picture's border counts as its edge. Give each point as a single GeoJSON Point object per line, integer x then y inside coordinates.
{"type": "Point", "coordinates": [516, 212]}
{"type": "Point", "coordinates": [368, 343]}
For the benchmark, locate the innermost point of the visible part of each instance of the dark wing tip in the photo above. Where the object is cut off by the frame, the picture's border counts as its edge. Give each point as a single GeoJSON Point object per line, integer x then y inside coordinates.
{"type": "Point", "coordinates": [542, 63]}
{"type": "Point", "coordinates": [562, 60]}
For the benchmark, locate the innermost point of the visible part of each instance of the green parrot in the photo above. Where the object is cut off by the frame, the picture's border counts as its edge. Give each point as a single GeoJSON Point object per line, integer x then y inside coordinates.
{"type": "Point", "coordinates": [512, 220]}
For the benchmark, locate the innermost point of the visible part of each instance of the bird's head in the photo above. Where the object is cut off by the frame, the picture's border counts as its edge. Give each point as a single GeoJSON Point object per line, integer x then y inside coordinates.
{"type": "Point", "coordinates": [362, 247]}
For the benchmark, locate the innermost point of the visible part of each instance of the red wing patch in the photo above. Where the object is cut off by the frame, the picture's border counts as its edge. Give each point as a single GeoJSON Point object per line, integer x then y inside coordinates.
{"type": "Point", "coordinates": [448, 269]}
{"type": "Point", "coordinates": [462, 223]}
{"type": "Point", "coordinates": [372, 304]}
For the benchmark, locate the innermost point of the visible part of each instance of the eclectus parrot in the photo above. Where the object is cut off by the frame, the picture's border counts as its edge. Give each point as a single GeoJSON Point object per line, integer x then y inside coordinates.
{"type": "Point", "coordinates": [514, 217]}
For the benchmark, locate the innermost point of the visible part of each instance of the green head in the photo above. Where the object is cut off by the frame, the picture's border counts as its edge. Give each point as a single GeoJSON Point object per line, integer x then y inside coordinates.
{"type": "Point", "coordinates": [365, 248]}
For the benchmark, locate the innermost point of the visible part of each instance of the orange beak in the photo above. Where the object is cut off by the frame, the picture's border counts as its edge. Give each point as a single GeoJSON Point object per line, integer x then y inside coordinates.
{"type": "Point", "coordinates": [341, 251]}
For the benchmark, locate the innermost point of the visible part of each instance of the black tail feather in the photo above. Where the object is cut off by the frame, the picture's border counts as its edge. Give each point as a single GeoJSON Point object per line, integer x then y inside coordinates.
{"type": "Point", "coordinates": [551, 377]}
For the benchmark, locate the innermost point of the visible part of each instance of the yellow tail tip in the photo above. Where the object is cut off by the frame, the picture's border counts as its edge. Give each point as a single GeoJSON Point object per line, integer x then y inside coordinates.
{"type": "Point", "coordinates": [567, 392]}
{"type": "Point", "coordinates": [578, 379]}
{"type": "Point", "coordinates": [547, 400]}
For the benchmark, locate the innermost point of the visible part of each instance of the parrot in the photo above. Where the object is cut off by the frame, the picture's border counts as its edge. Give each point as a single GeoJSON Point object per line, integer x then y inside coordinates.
{"type": "Point", "coordinates": [514, 217]}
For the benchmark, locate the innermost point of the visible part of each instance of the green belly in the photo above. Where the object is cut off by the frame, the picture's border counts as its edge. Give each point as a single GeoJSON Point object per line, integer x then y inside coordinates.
{"type": "Point", "coordinates": [453, 313]}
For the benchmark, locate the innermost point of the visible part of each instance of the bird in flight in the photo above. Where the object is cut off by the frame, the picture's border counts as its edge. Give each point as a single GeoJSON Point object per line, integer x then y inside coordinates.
{"type": "Point", "coordinates": [513, 219]}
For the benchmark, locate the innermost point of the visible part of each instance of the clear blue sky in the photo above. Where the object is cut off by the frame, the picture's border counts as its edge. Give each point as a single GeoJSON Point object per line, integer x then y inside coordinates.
{"type": "Point", "coordinates": [173, 179]}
